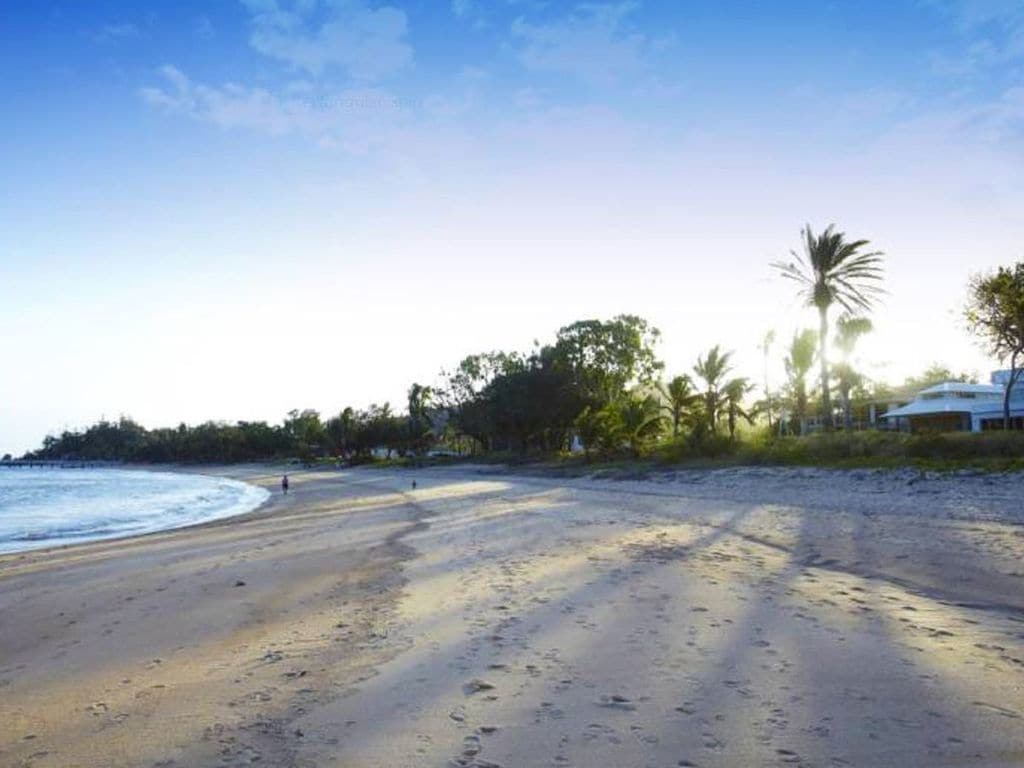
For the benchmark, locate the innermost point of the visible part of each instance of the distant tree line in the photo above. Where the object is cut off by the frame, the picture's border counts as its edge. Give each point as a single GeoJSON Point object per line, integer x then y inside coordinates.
{"type": "Point", "coordinates": [352, 435]}
{"type": "Point", "coordinates": [599, 386]}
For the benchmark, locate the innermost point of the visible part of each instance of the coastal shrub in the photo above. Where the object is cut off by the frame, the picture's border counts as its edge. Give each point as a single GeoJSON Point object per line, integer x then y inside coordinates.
{"type": "Point", "coordinates": [691, 449]}
{"type": "Point", "coordinates": [715, 446]}
{"type": "Point", "coordinates": [831, 448]}
{"type": "Point", "coordinates": [885, 448]}
{"type": "Point", "coordinates": [989, 450]}
{"type": "Point", "coordinates": [966, 446]}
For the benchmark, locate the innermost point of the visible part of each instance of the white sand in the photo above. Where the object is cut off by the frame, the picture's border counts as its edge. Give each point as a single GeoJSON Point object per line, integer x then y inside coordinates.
{"type": "Point", "coordinates": [735, 618]}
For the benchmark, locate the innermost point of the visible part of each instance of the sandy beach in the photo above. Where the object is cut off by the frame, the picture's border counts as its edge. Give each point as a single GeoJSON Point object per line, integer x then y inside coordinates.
{"type": "Point", "coordinates": [731, 618]}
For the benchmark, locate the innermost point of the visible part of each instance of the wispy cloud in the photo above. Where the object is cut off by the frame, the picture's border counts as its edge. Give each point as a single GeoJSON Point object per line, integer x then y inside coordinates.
{"type": "Point", "coordinates": [974, 14]}
{"type": "Point", "coordinates": [464, 8]}
{"type": "Point", "coordinates": [1000, 121]}
{"type": "Point", "coordinates": [594, 43]}
{"type": "Point", "coordinates": [354, 118]}
{"type": "Point", "coordinates": [230, 105]}
{"type": "Point", "coordinates": [366, 42]}
{"type": "Point", "coordinates": [993, 32]}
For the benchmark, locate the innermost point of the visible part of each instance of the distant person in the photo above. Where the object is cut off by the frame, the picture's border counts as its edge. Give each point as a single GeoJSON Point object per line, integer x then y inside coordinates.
{"type": "Point", "coordinates": [284, 485]}
{"type": "Point", "coordinates": [414, 485]}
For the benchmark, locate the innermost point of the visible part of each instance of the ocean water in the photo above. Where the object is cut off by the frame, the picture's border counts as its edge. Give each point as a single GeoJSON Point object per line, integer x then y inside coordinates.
{"type": "Point", "coordinates": [49, 507]}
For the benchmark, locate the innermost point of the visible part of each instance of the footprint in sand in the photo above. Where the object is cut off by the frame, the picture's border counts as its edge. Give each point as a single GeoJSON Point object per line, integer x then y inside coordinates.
{"type": "Point", "coordinates": [471, 746]}
{"type": "Point", "coordinates": [97, 709]}
{"type": "Point", "coordinates": [997, 709]}
{"type": "Point", "coordinates": [712, 742]}
{"type": "Point", "coordinates": [616, 701]}
{"type": "Point", "coordinates": [477, 686]}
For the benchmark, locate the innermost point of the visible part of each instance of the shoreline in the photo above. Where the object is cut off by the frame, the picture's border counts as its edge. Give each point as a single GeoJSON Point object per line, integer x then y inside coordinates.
{"type": "Point", "coordinates": [89, 538]}
{"type": "Point", "coordinates": [152, 648]}
{"type": "Point", "coordinates": [499, 619]}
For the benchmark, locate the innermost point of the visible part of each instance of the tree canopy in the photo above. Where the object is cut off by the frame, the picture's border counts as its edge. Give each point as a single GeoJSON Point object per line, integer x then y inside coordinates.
{"type": "Point", "coordinates": [833, 270]}
{"type": "Point", "coordinates": [995, 314]}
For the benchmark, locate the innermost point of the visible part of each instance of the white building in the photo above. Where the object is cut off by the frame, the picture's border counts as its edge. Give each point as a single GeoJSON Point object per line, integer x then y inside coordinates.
{"type": "Point", "coordinates": [956, 406]}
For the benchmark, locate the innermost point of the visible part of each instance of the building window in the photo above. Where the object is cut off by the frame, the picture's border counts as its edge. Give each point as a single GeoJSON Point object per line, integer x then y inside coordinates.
{"type": "Point", "coordinates": [996, 423]}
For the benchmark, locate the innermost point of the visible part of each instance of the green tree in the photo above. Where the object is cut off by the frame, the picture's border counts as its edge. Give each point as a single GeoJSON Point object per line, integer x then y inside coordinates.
{"type": "Point", "coordinates": [735, 392]}
{"type": "Point", "coordinates": [525, 402]}
{"type": "Point", "coordinates": [799, 362]}
{"type": "Point", "coordinates": [680, 399]}
{"type": "Point", "coordinates": [340, 431]}
{"type": "Point", "coordinates": [712, 368]}
{"type": "Point", "coordinates": [640, 421]}
{"type": "Point", "coordinates": [469, 393]}
{"type": "Point", "coordinates": [605, 358]}
{"type": "Point", "coordinates": [937, 373]}
{"type": "Point", "coordinates": [995, 314]}
{"type": "Point", "coordinates": [833, 271]}
{"type": "Point", "coordinates": [588, 426]}
{"type": "Point", "coordinates": [419, 423]}
{"type": "Point", "coordinates": [849, 329]}
{"type": "Point", "coordinates": [307, 432]}
{"type": "Point", "coordinates": [765, 346]}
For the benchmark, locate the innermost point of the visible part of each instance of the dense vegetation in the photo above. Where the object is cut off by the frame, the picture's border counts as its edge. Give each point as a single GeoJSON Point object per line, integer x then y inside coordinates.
{"type": "Point", "coordinates": [303, 435]}
{"type": "Point", "coordinates": [599, 387]}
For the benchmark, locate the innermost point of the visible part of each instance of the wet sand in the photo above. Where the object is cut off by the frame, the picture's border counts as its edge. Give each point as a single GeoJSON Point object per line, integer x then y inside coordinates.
{"type": "Point", "coordinates": [735, 618]}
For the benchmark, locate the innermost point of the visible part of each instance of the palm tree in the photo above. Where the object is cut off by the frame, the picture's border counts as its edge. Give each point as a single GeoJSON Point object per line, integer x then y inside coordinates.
{"type": "Point", "coordinates": [735, 391]}
{"type": "Point", "coordinates": [798, 363]}
{"type": "Point", "coordinates": [345, 431]}
{"type": "Point", "coordinates": [712, 368]}
{"type": "Point", "coordinates": [679, 399]}
{"type": "Point", "coordinates": [849, 328]}
{"type": "Point", "coordinates": [640, 420]}
{"type": "Point", "coordinates": [419, 423]}
{"type": "Point", "coordinates": [833, 271]}
{"type": "Point", "coordinates": [420, 398]}
{"type": "Point", "coordinates": [765, 347]}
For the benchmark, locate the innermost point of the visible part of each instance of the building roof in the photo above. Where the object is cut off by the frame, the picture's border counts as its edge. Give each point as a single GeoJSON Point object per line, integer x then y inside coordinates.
{"type": "Point", "coordinates": [935, 407]}
{"type": "Point", "coordinates": [952, 397]}
{"type": "Point", "coordinates": [961, 386]}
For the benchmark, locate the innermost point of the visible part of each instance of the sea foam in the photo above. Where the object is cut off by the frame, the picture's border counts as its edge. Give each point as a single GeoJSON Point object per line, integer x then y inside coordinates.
{"type": "Point", "coordinates": [49, 507]}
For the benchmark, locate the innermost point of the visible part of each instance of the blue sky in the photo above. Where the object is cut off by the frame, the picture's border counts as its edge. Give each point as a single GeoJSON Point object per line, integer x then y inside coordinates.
{"type": "Point", "coordinates": [230, 210]}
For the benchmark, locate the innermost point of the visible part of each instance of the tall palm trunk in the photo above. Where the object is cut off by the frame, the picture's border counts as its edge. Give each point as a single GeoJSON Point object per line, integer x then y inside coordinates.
{"type": "Point", "coordinates": [1014, 373]}
{"type": "Point", "coordinates": [826, 400]}
{"type": "Point", "coordinates": [847, 408]}
{"type": "Point", "coordinates": [801, 408]}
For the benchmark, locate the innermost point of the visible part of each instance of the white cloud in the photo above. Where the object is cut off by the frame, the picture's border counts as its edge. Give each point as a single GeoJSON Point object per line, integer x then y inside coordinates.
{"type": "Point", "coordinates": [1002, 120]}
{"type": "Point", "coordinates": [230, 105]}
{"type": "Point", "coordinates": [593, 43]}
{"type": "Point", "coordinates": [994, 34]}
{"type": "Point", "coordinates": [368, 43]}
{"type": "Point", "coordinates": [972, 14]}
{"type": "Point", "coordinates": [355, 119]}
{"type": "Point", "coordinates": [463, 8]}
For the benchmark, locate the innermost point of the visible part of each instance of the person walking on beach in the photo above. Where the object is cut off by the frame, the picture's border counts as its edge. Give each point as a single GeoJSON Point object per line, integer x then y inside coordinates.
{"type": "Point", "coordinates": [284, 485]}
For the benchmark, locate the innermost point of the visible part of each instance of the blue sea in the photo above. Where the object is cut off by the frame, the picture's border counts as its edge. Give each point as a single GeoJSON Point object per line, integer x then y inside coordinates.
{"type": "Point", "coordinates": [50, 507]}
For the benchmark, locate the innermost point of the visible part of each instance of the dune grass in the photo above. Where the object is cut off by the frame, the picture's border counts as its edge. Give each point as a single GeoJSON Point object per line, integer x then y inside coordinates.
{"type": "Point", "coordinates": [941, 452]}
